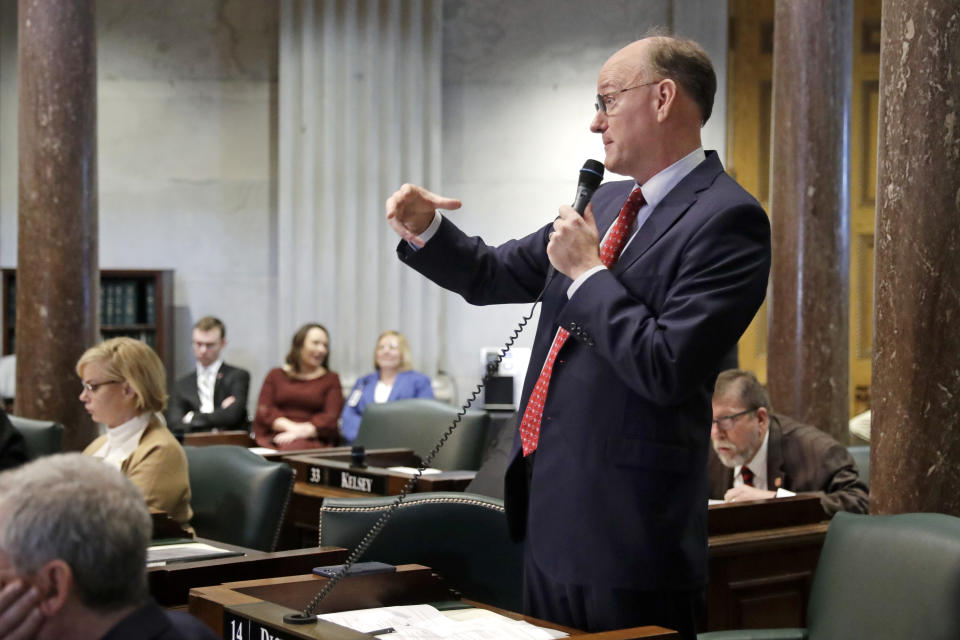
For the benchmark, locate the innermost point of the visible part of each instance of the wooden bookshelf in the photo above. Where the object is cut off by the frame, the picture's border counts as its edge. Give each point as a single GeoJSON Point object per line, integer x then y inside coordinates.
{"type": "Point", "coordinates": [133, 302]}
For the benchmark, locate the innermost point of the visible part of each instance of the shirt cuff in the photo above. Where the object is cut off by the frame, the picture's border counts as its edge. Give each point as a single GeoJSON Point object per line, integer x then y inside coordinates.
{"type": "Point", "coordinates": [572, 289]}
{"type": "Point", "coordinates": [784, 493]}
{"type": "Point", "coordinates": [188, 417]}
{"type": "Point", "coordinates": [429, 232]}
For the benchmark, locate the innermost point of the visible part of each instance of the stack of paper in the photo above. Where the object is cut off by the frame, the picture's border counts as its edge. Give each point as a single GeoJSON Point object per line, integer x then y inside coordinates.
{"type": "Point", "coordinates": [423, 622]}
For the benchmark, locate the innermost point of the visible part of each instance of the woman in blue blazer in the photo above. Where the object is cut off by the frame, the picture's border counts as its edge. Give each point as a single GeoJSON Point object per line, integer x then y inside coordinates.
{"type": "Point", "coordinates": [394, 379]}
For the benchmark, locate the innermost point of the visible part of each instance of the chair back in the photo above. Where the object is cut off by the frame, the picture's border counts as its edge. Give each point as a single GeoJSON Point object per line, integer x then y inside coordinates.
{"type": "Point", "coordinates": [861, 455]}
{"type": "Point", "coordinates": [461, 536]}
{"type": "Point", "coordinates": [418, 423]}
{"type": "Point", "coordinates": [237, 496]}
{"type": "Point", "coordinates": [893, 577]}
{"type": "Point", "coordinates": [42, 437]}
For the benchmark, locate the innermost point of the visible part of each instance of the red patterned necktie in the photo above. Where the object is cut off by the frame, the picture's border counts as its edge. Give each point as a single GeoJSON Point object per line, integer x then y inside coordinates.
{"type": "Point", "coordinates": [747, 475]}
{"type": "Point", "coordinates": [609, 252]}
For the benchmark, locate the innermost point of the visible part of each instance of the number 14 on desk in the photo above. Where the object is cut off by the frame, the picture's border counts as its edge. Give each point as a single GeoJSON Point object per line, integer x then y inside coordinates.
{"type": "Point", "coordinates": [246, 629]}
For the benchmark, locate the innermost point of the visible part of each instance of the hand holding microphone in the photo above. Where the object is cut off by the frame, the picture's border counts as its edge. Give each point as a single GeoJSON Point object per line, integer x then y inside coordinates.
{"type": "Point", "coordinates": [574, 245]}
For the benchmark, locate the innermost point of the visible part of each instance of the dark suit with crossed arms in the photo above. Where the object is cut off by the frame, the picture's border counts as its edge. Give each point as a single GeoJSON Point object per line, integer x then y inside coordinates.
{"type": "Point", "coordinates": [230, 381]}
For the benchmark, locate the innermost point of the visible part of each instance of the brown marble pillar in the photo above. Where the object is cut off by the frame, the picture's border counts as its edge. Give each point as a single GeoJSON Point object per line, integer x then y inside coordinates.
{"type": "Point", "coordinates": [915, 426]}
{"type": "Point", "coordinates": [807, 366]}
{"type": "Point", "coordinates": [57, 266]}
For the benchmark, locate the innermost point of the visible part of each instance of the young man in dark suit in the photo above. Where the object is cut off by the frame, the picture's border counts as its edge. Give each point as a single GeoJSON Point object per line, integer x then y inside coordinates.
{"type": "Point", "coordinates": [607, 480]}
{"type": "Point", "coordinates": [214, 395]}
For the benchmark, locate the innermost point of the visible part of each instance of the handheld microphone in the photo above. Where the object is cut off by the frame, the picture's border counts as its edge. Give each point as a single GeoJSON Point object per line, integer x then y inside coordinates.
{"type": "Point", "coordinates": [590, 177]}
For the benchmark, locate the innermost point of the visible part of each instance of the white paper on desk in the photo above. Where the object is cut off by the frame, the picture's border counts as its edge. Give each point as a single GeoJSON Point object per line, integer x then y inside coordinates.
{"type": "Point", "coordinates": [711, 501]}
{"type": "Point", "coordinates": [423, 622]}
{"type": "Point", "coordinates": [413, 470]}
{"type": "Point", "coordinates": [261, 451]}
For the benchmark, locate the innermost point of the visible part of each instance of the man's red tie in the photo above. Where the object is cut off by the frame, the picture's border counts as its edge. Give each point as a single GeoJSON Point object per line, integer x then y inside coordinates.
{"type": "Point", "coordinates": [747, 475]}
{"type": "Point", "coordinates": [609, 252]}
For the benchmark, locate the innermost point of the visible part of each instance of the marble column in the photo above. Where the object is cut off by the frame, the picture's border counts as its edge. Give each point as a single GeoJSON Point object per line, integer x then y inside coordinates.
{"type": "Point", "coordinates": [57, 266]}
{"type": "Point", "coordinates": [915, 436]}
{"type": "Point", "coordinates": [808, 368]}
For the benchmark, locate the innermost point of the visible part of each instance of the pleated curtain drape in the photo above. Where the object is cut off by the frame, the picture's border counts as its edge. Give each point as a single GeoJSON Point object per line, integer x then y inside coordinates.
{"type": "Point", "coordinates": [358, 115]}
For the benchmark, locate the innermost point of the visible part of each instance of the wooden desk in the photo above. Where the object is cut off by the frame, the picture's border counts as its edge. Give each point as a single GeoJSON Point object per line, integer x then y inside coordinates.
{"type": "Point", "coordinates": [204, 438]}
{"type": "Point", "coordinates": [225, 607]}
{"type": "Point", "coordinates": [327, 474]}
{"type": "Point", "coordinates": [170, 584]}
{"type": "Point", "coordinates": [762, 557]}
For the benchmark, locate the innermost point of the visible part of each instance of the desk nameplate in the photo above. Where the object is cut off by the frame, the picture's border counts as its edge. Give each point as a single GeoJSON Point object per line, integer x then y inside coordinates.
{"type": "Point", "coordinates": [264, 621]}
{"type": "Point", "coordinates": [354, 479]}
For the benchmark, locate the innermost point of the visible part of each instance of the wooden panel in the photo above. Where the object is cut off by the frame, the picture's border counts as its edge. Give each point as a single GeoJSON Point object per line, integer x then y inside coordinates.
{"type": "Point", "coordinates": [863, 292]}
{"type": "Point", "coordinates": [863, 187]}
{"type": "Point", "coordinates": [870, 92]}
{"type": "Point", "coordinates": [762, 579]}
{"type": "Point", "coordinates": [749, 95]}
{"type": "Point", "coordinates": [764, 124]}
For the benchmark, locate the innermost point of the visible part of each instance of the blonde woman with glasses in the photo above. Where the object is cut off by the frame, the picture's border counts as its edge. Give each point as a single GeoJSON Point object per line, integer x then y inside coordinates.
{"type": "Point", "coordinates": [125, 388]}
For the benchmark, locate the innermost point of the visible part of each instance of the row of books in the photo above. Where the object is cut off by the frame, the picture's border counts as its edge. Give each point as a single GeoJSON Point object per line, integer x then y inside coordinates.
{"type": "Point", "coordinates": [121, 302]}
{"type": "Point", "coordinates": [150, 337]}
{"type": "Point", "coordinates": [127, 302]}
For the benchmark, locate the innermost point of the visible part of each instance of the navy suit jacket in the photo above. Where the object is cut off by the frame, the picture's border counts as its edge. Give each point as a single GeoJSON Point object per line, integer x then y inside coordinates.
{"type": "Point", "coordinates": [409, 384]}
{"type": "Point", "coordinates": [618, 493]}
{"type": "Point", "coordinates": [231, 381]}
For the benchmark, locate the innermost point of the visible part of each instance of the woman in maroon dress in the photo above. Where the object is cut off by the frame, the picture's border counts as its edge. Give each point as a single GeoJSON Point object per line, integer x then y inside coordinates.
{"type": "Point", "coordinates": [300, 402]}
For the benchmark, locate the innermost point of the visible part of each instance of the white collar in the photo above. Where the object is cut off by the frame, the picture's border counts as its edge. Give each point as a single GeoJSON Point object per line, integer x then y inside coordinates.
{"type": "Point", "coordinates": [211, 370]}
{"type": "Point", "coordinates": [123, 439]}
{"type": "Point", "coordinates": [656, 188]}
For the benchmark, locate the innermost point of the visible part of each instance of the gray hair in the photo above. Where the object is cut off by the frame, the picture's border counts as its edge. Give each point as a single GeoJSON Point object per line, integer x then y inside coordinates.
{"type": "Point", "coordinates": [745, 386]}
{"type": "Point", "coordinates": [84, 512]}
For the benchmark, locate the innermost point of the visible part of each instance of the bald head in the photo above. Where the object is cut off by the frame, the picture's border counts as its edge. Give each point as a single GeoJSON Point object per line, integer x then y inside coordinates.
{"type": "Point", "coordinates": [654, 95]}
{"type": "Point", "coordinates": [679, 59]}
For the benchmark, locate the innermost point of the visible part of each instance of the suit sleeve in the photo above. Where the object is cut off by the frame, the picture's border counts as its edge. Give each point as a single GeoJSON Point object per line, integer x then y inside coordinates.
{"type": "Point", "coordinates": [234, 416]}
{"type": "Point", "coordinates": [267, 410]}
{"type": "Point", "coordinates": [510, 273]}
{"type": "Point", "coordinates": [161, 475]}
{"type": "Point", "coordinates": [350, 417]}
{"type": "Point", "coordinates": [422, 387]}
{"type": "Point", "coordinates": [664, 332]}
{"type": "Point", "coordinates": [326, 419]}
{"type": "Point", "coordinates": [177, 408]}
{"type": "Point", "coordinates": [842, 489]}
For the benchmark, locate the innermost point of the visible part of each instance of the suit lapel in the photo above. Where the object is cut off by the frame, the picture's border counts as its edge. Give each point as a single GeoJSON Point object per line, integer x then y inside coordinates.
{"type": "Point", "coordinates": [193, 392]}
{"type": "Point", "coordinates": [775, 474]}
{"type": "Point", "coordinates": [670, 209]}
{"type": "Point", "coordinates": [217, 386]}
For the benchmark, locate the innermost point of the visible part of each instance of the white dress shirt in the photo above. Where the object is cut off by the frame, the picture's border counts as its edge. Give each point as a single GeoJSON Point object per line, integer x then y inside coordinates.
{"type": "Point", "coordinates": [206, 381]}
{"type": "Point", "coordinates": [758, 465]}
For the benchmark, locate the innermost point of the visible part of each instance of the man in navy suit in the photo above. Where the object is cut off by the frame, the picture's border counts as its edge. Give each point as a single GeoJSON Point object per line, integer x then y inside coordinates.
{"type": "Point", "coordinates": [214, 395]}
{"type": "Point", "coordinates": [607, 481]}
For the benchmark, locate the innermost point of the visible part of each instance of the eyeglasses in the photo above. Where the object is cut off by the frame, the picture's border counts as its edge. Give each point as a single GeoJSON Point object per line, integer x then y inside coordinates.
{"type": "Point", "coordinates": [726, 422]}
{"type": "Point", "coordinates": [607, 100]}
{"type": "Point", "coordinates": [93, 386]}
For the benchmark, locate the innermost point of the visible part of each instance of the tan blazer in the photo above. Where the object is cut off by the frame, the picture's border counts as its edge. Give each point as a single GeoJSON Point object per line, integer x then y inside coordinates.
{"type": "Point", "coordinates": [158, 467]}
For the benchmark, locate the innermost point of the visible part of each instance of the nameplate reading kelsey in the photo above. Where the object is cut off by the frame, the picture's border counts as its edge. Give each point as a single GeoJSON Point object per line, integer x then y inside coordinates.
{"type": "Point", "coordinates": [348, 479]}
